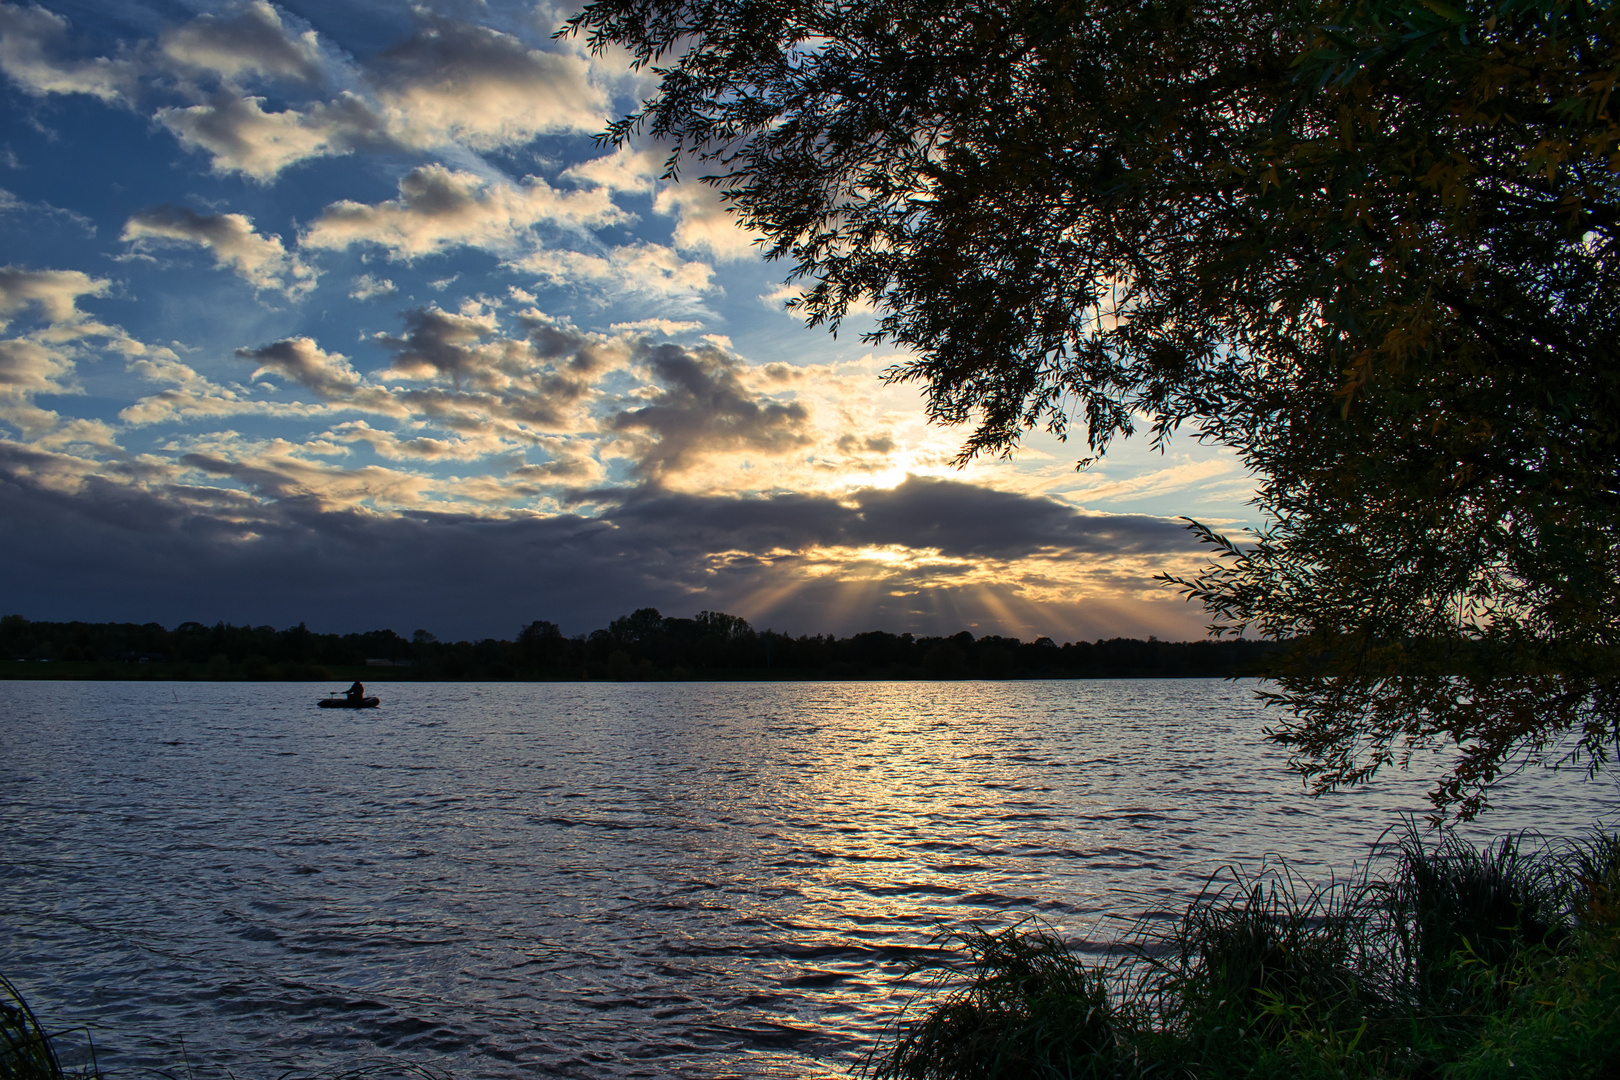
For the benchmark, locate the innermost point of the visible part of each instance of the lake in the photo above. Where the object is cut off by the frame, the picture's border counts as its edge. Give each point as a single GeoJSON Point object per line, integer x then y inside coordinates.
{"type": "Point", "coordinates": [619, 880]}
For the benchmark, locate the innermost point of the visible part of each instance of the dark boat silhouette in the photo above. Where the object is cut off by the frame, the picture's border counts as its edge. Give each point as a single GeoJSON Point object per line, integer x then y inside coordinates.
{"type": "Point", "coordinates": [349, 703]}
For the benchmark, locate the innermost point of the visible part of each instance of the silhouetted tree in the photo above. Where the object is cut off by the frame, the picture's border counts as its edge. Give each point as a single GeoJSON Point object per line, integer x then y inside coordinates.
{"type": "Point", "coordinates": [1368, 244]}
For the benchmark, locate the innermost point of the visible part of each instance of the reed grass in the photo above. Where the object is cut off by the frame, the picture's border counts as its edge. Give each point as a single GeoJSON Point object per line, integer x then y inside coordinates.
{"type": "Point", "coordinates": [1461, 963]}
{"type": "Point", "coordinates": [26, 1052]}
{"type": "Point", "coordinates": [1027, 1007]}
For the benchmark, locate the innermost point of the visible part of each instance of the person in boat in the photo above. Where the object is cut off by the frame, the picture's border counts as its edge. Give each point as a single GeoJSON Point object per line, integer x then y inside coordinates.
{"type": "Point", "coordinates": [357, 692]}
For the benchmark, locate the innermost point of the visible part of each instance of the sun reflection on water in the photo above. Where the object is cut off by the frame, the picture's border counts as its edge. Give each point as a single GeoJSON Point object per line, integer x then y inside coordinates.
{"type": "Point", "coordinates": [612, 880]}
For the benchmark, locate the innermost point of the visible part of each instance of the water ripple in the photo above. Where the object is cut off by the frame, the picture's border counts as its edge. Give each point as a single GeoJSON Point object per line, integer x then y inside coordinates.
{"type": "Point", "coordinates": [610, 880]}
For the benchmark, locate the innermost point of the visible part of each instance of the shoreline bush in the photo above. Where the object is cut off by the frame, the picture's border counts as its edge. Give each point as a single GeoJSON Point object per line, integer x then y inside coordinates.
{"type": "Point", "coordinates": [1463, 963]}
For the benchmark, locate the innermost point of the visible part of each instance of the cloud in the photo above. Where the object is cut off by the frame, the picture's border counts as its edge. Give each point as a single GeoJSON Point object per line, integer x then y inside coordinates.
{"type": "Point", "coordinates": [703, 408]}
{"type": "Point", "coordinates": [969, 520]}
{"type": "Point", "coordinates": [250, 40]}
{"type": "Point", "coordinates": [779, 296]}
{"type": "Point", "coordinates": [279, 471]}
{"type": "Point", "coordinates": [10, 204]}
{"type": "Point", "coordinates": [448, 85]}
{"type": "Point", "coordinates": [439, 209]}
{"type": "Point", "coordinates": [875, 444]}
{"type": "Point", "coordinates": [141, 540]}
{"type": "Point", "coordinates": [31, 39]}
{"type": "Point", "coordinates": [27, 367]}
{"type": "Point", "coordinates": [1162, 481]}
{"type": "Point", "coordinates": [685, 406]}
{"type": "Point", "coordinates": [391, 445]}
{"type": "Point", "coordinates": [702, 222]}
{"type": "Point", "coordinates": [240, 136]}
{"type": "Point", "coordinates": [543, 381]}
{"type": "Point", "coordinates": [628, 170]}
{"type": "Point", "coordinates": [43, 359]}
{"type": "Point", "coordinates": [261, 261]}
{"type": "Point", "coordinates": [455, 82]}
{"type": "Point", "coordinates": [503, 391]}
{"type": "Point", "coordinates": [192, 396]}
{"type": "Point", "coordinates": [234, 129]}
{"type": "Point", "coordinates": [667, 327]}
{"type": "Point", "coordinates": [367, 287]}
{"type": "Point", "coordinates": [438, 343]}
{"type": "Point", "coordinates": [956, 519]}
{"type": "Point", "coordinates": [327, 375]}
{"type": "Point", "coordinates": [646, 270]}
{"type": "Point", "coordinates": [53, 293]}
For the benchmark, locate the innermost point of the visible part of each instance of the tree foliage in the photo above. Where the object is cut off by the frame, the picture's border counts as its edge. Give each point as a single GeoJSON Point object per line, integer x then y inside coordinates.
{"type": "Point", "coordinates": [1368, 244]}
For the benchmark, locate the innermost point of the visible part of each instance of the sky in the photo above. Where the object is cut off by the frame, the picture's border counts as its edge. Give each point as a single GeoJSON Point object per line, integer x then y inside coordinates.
{"type": "Point", "coordinates": [338, 313]}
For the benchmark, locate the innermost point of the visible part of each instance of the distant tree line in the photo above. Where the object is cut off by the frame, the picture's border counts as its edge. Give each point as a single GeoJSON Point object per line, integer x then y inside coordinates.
{"type": "Point", "coordinates": [642, 645]}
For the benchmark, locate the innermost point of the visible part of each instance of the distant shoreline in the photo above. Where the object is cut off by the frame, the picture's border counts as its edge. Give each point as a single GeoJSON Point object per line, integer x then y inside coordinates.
{"type": "Point", "coordinates": [644, 646]}
{"type": "Point", "coordinates": [94, 671]}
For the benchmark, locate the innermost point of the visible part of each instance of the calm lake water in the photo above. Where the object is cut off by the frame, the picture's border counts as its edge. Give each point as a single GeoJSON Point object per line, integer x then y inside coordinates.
{"type": "Point", "coordinates": [616, 880]}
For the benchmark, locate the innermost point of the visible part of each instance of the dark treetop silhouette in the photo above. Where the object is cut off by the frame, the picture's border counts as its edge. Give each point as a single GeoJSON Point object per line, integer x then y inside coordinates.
{"type": "Point", "coordinates": [644, 644]}
{"type": "Point", "coordinates": [1368, 245]}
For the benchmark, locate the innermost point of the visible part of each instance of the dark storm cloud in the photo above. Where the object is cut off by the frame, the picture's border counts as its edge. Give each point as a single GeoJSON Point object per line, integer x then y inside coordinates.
{"type": "Point", "coordinates": [171, 552]}
{"type": "Point", "coordinates": [121, 553]}
{"type": "Point", "coordinates": [958, 519]}
{"type": "Point", "coordinates": [965, 519]}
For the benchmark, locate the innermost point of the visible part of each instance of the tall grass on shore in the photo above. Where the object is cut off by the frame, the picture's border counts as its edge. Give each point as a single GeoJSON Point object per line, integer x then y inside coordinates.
{"type": "Point", "coordinates": [26, 1052]}
{"type": "Point", "coordinates": [1463, 963]}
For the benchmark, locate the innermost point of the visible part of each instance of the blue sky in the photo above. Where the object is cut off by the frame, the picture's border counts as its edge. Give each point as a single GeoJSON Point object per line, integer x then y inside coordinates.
{"type": "Point", "coordinates": [337, 313]}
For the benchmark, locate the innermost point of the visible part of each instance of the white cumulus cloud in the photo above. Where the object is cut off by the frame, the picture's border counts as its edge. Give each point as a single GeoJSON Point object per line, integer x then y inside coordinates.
{"type": "Point", "coordinates": [650, 270]}
{"type": "Point", "coordinates": [262, 261]}
{"type": "Point", "coordinates": [438, 209]}
{"type": "Point", "coordinates": [702, 222]}
{"type": "Point", "coordinates": [251, 40]}
{"type": "Point", "coordinates": [456, 82]}
{"type": "Point", "coordinates": [31, 42]}
{"type": "Point", "coordinates": [240, 136]}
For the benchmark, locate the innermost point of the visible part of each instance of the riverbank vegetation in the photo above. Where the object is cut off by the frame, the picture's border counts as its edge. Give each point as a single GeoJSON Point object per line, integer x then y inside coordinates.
{"type": "Point", "coordinates": [1462, 963]}
{"type": "Point", "coordinates": [26, 1050]}
{"type": "Point", "coordinates": [642, 645]}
